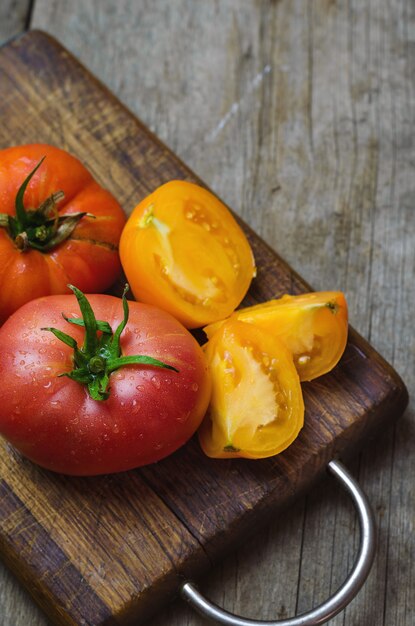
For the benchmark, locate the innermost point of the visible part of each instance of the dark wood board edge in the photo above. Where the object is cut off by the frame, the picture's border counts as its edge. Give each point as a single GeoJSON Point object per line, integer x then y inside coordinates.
{"type": "Point", "coordinates": [61, 590]}
{"type": "Point", "coordinates": [49, 558]}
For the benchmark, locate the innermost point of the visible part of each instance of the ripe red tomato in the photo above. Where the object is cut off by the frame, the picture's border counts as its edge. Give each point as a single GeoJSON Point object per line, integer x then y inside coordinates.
{"type": "Point", "coordinates": [53, 420]}
{"type": "Point", "coordinates": [40, 251]}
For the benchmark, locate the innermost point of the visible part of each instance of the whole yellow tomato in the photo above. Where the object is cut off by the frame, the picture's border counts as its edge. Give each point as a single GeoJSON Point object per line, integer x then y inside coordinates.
{"type": "Point", "coordinates": [183, 251]}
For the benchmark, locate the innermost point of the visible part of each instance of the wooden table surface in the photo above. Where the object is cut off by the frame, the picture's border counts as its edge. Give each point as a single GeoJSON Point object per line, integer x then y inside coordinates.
{"type": "Point", "coordinates": [300, 115]}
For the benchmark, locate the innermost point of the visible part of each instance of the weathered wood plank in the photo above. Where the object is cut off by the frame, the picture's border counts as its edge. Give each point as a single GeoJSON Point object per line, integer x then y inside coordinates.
{"type": "Point", "coordinates": [301, 118]}
{"type": "Point", "coordinates": [110, 550]}
{"type": "Point", "coordinates": [14, 17]}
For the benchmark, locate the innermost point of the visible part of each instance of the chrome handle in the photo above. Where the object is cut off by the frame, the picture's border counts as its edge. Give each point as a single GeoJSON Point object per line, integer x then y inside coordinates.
{"type": "Point", "coordinates": [334, 604]}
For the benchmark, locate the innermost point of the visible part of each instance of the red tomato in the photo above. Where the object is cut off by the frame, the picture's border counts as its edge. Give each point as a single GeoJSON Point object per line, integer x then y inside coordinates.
{"type": "Point", "coordinates": [34, 261]}
{"type": "Point", "coordinates": [53, 420]}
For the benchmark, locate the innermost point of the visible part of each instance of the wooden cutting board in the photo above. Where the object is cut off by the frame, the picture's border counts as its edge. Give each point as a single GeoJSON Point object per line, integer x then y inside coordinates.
{"type": "Point", "coordinates": [113, 549]}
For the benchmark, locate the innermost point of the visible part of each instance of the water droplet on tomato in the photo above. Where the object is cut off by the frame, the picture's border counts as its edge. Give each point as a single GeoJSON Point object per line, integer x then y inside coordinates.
{"type": "Point", "coordinates": [195, 387]}
{"type": "Point", "coordinates": [47, 385]}
{"type": "Point", "coordinates": [183, 417]}
{"type": "Point", "coordinates": [140, 388]}
{"type": "Point", "coordinates": [22, 362]}
{"type": "Point", "coordinates": [156, 382]}
{"type": "Point", "coordinates": [115, 428]}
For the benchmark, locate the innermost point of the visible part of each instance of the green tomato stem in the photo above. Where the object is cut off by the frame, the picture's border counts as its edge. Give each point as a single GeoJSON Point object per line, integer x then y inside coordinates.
{"type": "Point", "coordinates": [100, 354]}
{"type": "Point", "coordinates": [42, 229]}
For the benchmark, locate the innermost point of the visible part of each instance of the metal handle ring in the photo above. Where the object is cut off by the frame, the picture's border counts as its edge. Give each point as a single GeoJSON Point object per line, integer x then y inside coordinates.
{"type": "Point", "coordinates": [333, 605]}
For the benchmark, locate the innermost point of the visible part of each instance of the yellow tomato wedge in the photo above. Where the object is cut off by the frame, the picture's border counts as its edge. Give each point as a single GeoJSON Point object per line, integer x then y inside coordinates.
{"type": "Point", "coordinates": [256, 408]}
{"type": "Point", "coordinates": [313, 326]}
{"type": "Point", "coordinates": [183, 251]}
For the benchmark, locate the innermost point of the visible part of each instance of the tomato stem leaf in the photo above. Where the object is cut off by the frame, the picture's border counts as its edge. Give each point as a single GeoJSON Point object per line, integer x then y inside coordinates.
{"type": "Point", "coordinates": [140, 359]}
{"type": "Point", "coordinates": [21, 215]}
{"type": "Point", "coordinates": [114, 345]}
{"type": "Point", "coordinates": [41, 228]}
{"type": "Point", "coordinates": [90, 322]}
{"type": "Point", "coordinates": [70, 341]}
{"type": "Point", "coordinates": [104, 327]}
{"type": "Point", "coordinates": [100, 354]}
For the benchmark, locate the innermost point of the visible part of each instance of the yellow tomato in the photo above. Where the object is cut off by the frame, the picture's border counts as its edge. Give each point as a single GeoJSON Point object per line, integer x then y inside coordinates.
{"type": "Point", "coordinates": [183, 251]}
{"type": "Point", "coordinates": [313, 326]}
{"type": "Point", "coordinates": [256, 408]}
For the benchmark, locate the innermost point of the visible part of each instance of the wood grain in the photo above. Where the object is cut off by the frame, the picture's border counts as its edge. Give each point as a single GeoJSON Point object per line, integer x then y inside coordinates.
{"type": "Point", "coordinates": [346, 71]}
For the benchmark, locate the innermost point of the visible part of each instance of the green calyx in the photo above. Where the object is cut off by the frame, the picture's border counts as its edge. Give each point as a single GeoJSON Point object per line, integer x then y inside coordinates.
{"type": "Point", "coordinates": [100, 354]}
{"type": "Point", "coordinates": [43, 228]}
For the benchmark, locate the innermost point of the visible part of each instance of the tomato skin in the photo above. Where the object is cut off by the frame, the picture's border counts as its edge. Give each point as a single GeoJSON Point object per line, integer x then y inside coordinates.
{"type": "Point", "coordinates": [88, 258]}
{"type": "Point", "coordinates": [313, 326]}
{"type": "Point", "coordinates": [183, 251]}
{"type": "Point", "coordinates": [53, 421]}
{"type": "Point", "coordinates": [256, 408]}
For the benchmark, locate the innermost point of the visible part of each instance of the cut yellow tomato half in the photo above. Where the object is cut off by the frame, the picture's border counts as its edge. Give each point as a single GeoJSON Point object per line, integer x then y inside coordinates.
{"type": "Point", "coordinates": [183, 251]}
{"type": "Point", "coordinates": [313, 326]}
{"type": "Point", "coordinates": [256, 408]}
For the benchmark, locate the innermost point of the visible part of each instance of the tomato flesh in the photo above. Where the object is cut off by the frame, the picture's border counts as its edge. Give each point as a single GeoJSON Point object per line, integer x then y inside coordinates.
{"type": "Point", "coordinates": [256, 408]}
{"type": "Point", "coordinates": [53, 421]}
{"type": "Point", "coordinates": [313, 326]}
{"type": "Point", "coordinates": [183, 251]}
